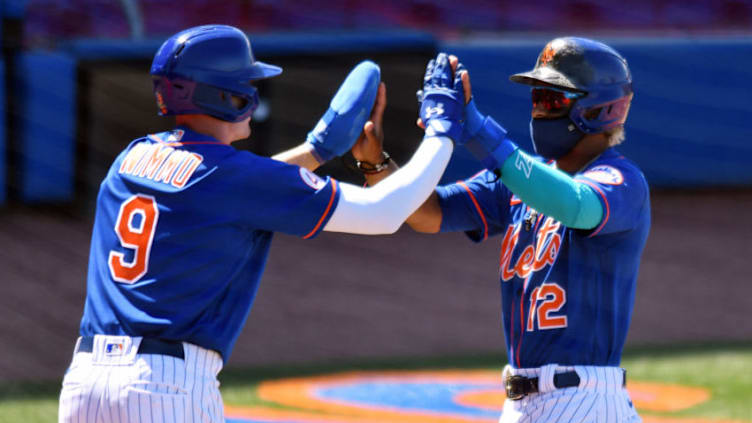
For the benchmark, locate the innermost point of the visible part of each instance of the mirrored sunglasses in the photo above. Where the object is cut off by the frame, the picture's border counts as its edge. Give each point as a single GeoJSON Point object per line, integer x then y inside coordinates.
{"type": "Point", "coordinates": [553, 100]}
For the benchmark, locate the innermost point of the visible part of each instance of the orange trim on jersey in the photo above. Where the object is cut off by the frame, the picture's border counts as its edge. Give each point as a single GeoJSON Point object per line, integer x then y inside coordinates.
{"type": "Point", "coordinates": [605, 201]}
{"type": "Point", "coordinates": [326, 212]}
{"type": "Point", "coordinates": [477, 207]}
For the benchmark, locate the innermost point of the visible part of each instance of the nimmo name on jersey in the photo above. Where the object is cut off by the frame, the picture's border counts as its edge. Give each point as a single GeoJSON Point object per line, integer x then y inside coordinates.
{"type": "Point", "coordinates": [161, 163]}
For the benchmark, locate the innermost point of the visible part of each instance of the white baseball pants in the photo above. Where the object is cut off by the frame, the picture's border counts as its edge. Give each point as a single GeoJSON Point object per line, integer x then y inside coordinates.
{"type": "Point", "coordinates": [113, 383]}
{"type": "Point", "coordinates": [600, 397]}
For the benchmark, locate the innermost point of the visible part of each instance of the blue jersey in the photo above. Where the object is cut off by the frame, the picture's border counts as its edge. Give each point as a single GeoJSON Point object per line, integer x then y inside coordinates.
{"type": "Point", "coordinates": [182, 232]}
{"type": "Point", "coordinates": [567, 294]}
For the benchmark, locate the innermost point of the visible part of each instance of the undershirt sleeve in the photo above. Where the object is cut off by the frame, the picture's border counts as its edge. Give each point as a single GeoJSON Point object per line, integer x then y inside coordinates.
{"type": "Point", "coordinates": [551, 191]}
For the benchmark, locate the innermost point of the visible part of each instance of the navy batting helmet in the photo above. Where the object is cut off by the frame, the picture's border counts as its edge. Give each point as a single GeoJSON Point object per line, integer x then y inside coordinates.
{"type": "Point", "coordinates": [590, 68]}
{"type": "Point", "coordinates": [208, 70]}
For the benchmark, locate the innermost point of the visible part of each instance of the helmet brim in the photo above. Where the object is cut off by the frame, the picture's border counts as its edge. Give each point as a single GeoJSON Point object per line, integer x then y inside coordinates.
{"type": "Point", "coordinates": [261, 70]}
{"type": "Point", "coordinates": [543, 77]}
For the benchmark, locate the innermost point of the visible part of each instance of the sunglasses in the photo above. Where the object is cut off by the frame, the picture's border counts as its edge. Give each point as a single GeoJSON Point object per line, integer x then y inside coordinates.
{"type": "Point", "coordinates": [554, 100]}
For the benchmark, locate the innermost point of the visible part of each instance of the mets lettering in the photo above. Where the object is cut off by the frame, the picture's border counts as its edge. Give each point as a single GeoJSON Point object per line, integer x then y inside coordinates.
{"type": "Point", "coordinates": [533, 257]}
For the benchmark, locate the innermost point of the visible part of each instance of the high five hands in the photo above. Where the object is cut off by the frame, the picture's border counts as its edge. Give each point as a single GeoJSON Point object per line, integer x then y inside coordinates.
{"type": "Point", "coordinates": [446, 100]}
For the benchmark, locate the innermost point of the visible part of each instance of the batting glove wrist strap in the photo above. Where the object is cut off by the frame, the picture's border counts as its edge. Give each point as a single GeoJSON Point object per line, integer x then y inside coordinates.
{"type": "Point", "coordinates": [489, 144]}
{"type": "Point", "coordinates": [321, 138]}
{"type": "Point", "coordinates": [441, 114]}
{"type": "Point", "coordinates": [474, 120]}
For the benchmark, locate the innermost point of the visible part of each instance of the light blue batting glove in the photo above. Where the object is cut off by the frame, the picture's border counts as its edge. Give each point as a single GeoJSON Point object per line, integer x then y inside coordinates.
{"type": "Point", "coordinates": [339, 128]}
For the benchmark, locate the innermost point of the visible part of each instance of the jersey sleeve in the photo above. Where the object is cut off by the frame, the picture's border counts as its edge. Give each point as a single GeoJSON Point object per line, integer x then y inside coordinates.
{"type": "Point", "coordinates": [275, 196]}
{"type": "Point", "coordinates": [623, 192]}
{"type": "Point", "coordinates": [479, 206]}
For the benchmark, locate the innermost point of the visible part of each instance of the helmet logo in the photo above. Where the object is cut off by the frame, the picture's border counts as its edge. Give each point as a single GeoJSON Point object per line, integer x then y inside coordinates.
{"type": "Point", "coordinates": [161, 104]}
{"type": "Point", "coordinates": [546, 55]}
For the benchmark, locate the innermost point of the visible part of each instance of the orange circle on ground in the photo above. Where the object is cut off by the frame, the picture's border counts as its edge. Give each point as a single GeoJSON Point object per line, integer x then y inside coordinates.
{"type": "Point", "coordinates": [665, 397]}
{"type": "Point", "coordinates": [486, 399]}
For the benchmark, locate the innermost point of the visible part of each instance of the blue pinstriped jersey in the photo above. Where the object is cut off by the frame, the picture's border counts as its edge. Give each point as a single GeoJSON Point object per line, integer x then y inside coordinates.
{"type": "Point", "coordinates": [181, 235]}
{"type": "Point", "coordinates": [567, 294]}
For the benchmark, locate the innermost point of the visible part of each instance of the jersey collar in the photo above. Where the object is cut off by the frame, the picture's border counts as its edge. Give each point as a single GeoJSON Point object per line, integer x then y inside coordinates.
{"type": "Point", "coordinates": [610, 154]}
{"type": "Point", "coordinates": [183, 135]}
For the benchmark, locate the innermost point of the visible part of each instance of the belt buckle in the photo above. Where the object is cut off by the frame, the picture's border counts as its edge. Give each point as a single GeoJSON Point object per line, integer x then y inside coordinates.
{"type": "Point", "coordinates": [512, 382]}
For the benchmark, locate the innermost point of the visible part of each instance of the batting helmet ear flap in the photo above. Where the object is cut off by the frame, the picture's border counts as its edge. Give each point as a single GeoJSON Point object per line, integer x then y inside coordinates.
{"type": "Point", "coordinates": [600, 117]}
{"type": "Point", "coordinates": [181, 91]}
{"type": "Point", "coordinates": [175, 95]}
{"type": "Point", "coordinates": [219, 103]}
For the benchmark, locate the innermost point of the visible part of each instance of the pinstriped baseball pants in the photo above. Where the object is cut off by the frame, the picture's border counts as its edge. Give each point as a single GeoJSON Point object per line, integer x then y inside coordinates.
{"type": "Point", "coordinates": [142, 387]}
{"type": "Point", "coordinates": [600, 397]}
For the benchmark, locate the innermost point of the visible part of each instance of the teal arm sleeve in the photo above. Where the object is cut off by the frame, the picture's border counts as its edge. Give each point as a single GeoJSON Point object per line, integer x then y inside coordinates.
{"type": "Point", "coordinates": [551, 191]}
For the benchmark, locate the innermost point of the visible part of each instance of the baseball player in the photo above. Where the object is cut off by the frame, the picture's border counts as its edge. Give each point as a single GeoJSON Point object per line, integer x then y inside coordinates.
{"type": "Point", "coordinates": [572, 225]}
{"type": "Point", "coordinates": [184, 222]}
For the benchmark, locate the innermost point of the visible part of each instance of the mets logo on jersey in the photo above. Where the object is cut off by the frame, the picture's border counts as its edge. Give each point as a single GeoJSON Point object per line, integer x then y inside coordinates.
{"type": "Point", "coordinates": [605, 174]}
{"type": "Point", "coordinates": [539, 254]}
{"type": "Point", "coordinates": [311, 179]}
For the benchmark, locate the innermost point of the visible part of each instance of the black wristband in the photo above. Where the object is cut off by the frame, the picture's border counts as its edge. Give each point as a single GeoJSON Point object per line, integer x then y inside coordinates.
{"type": "Point", "coordinates": [370, 168]}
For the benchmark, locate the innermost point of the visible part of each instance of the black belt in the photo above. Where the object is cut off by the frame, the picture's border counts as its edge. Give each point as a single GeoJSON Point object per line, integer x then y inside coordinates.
{"type": "Point", "coordinates": [147, 346]}
{"type": "Point", "coordinates": [518, 387]}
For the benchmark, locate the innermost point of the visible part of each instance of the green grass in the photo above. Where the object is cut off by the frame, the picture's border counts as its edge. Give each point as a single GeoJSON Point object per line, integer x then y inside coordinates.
{"type": "Point", "coordinates": [725, 370]}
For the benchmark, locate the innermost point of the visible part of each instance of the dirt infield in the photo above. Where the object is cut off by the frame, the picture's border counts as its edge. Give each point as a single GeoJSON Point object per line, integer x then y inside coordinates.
{"type": "Point", "coordinates": [345, 297]}
{"type": "Point", "coordinates": [446, 396]}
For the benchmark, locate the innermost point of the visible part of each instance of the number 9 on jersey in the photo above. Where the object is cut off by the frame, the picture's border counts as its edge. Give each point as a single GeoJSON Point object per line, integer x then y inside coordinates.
{"type": "Point", "coordinates": [135, 227]}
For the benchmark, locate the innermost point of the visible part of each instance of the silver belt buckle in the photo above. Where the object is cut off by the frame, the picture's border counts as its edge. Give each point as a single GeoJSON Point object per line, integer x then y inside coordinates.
{"type": "Point", "coordinates": [512, 382]}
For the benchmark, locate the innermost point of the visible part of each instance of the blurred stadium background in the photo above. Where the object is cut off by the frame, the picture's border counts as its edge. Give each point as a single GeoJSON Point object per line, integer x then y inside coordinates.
{"type": "Point", "coordinates": [75, 90]}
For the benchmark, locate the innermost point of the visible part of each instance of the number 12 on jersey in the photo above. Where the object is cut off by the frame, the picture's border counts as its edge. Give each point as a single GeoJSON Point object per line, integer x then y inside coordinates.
{"type": "Point", "coordinates": [552, 298]}
{"type": "Point", "coordinates": [135, 227]}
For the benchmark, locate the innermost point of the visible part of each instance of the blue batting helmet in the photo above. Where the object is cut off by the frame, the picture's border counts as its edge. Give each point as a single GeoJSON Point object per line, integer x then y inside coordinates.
{"type": "Point", "coordinates": [208, 70]}
{"type": "Point", "coordinates": [588, 67]}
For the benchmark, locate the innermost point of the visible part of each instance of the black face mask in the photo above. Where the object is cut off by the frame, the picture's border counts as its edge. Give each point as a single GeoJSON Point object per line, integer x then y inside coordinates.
{"type": "Point", "coordinates": [553, 138]}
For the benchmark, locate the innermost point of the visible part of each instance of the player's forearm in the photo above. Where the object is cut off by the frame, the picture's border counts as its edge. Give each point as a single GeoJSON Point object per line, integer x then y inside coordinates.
{"type": "Point", "coordinates": [427, 218]}
{"type": "Point", "coordinates": [384, 207]}
{"type": "Point", "coordinates": [551, 191]}
{"type": "Point", "coordinates": [301, 155]}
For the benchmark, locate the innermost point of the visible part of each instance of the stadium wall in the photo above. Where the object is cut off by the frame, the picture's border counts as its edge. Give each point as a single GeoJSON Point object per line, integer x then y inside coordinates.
{"type": "Point", "coordinates": [684, 106]}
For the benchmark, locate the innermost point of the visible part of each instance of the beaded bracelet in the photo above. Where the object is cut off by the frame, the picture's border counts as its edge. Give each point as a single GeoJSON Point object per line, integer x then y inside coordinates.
{"type": "Point", "coordinates": [370, 168]}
